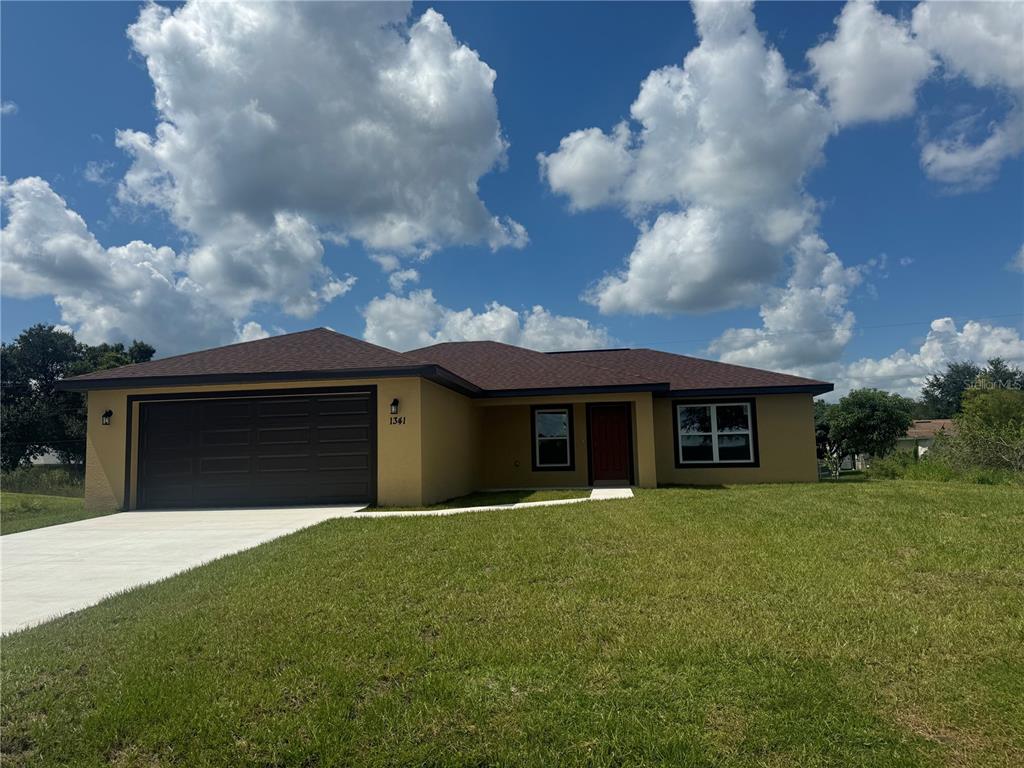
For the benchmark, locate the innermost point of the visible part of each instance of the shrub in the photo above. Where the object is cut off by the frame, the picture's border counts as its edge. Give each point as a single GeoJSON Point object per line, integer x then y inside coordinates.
{"type": "Point", "coordinates": [989, 431]}
{"type": "Point", "coordinates": [48, 479]}
{"type": "Point", "coordinates": [937, 467]}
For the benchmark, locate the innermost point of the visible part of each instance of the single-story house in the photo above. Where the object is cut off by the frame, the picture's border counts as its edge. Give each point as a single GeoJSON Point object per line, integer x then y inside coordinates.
{"type": "Point", "coordinates": [318, 417]}
{"type": "Point", "coordinates": [921, 435]}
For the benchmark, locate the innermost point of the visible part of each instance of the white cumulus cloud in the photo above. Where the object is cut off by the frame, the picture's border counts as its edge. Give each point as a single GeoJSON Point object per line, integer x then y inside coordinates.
{"type": "Point", "coordinates": [281, 126]}
{"type": "Point", "coordinates": [133, 291]}
{"type": "Point", "coordinates": [720, 151]}
{"type": "Point", "coordinates": [418, 320]}
{"type": "Point", "coordinates": [806, 325]}
{"type": "Point", "coordinates": [340, 117]}
{"type": "Point", "coordinates": [873, 66]}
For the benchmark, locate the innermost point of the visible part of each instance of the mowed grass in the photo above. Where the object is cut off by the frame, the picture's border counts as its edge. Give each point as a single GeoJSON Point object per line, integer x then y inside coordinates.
{"type": "Point", "coordinates": [25, 511]}
{"type": "Point", "coordinates": [858, 624]}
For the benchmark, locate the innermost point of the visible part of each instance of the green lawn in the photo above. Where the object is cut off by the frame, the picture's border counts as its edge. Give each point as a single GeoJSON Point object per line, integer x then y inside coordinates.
{"type": "Point", "coordinates": [851, 624]}
{"type": "Point", "coordinates": [489, 498]}
{"type": "Point", "coordinates": [25, 511]}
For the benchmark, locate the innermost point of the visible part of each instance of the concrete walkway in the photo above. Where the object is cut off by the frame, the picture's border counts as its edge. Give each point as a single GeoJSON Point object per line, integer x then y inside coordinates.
{"type": "Point", "coordinates": [48, 572]}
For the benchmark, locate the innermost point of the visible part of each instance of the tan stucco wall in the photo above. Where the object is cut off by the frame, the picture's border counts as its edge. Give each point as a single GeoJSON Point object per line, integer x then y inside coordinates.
{"type": "Point", "coordinates": [785, 434]}
{"type": "Point", "coordinates": [450, 443]}
{"type": "Point", "coordinates": [506, 441]}
{"type": "Point", "coordinates": [399, 468]}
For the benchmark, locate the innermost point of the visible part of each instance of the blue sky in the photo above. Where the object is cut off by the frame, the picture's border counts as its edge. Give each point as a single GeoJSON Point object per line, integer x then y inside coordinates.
{"type": "Point", "coordinates": [918, 243]}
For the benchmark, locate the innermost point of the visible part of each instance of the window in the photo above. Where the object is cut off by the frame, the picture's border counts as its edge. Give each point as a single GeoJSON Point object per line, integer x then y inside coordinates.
{"type": "Point", "coordinates": [552, 437]}
{"type": "Point", "coordinates": [715, 433]}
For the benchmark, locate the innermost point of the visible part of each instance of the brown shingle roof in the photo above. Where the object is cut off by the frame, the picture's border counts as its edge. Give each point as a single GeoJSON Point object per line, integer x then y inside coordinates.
{"type": "Point", "coordinates": [319, 349]}
{"type": "Point", "coordinates": [474, 367]}
{"type": "Point", "coordinates": [684, 372]}
{"type": "Point", "coordinates": [923, 429]}
{"type": "Point", "coordinates": [501, 367]}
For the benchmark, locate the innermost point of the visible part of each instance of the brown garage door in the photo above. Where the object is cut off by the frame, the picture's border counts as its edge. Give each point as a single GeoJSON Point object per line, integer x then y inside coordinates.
{"type": "Point", "coordinates": [257, 451]}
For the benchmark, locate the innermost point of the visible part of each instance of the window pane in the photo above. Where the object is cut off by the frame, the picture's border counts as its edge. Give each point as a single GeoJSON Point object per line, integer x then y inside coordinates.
{"type": "Point", "coordinates": [734, 448]}
{"type": "Point", "coordinates": [554, 424]}
{"type": "Point", "coordinates": [553, 453]}
{"type": "Point", "coordinates": [694, 418]}
{"type": "Point", "coordinates": [696, 448]}
{"type": "Point", "coordinates": [732, 418]}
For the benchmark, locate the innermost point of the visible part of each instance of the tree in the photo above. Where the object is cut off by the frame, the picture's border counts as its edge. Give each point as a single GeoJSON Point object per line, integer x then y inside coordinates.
{"type": "Point", "coordinates": [998, 374]}
{"type": "Point", "coordinates": [944, 392]}
{"type": "Point", "coordinates": [34, 416]}
{"type": "Point", "coordinates": [869, 421]}
{"type": "Point", "coordinates": [828, 447]}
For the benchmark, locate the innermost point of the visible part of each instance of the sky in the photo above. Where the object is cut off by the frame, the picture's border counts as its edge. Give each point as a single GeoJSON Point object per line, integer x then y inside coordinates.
{"type": "Point", "coordinates": [830, 189]}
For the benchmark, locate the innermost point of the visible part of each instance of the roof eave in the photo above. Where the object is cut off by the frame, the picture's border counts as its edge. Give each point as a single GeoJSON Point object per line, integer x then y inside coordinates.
{"type": "Point", "coordinates": [815, 388]}
{"type": "Point", "coordinates": [569, 391]}
{"type": "Point", "coordinates": [433, 373]}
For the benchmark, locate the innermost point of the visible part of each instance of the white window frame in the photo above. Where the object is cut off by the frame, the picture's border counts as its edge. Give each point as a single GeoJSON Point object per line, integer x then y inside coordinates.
{"type": "Point", "coordinates": [568, 437]}
{"type": "Point", "coordinates": [714, 434]}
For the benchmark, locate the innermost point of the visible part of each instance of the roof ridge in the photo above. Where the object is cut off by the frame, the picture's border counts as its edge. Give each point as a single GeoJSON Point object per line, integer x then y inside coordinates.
{"type": "Point", "coordinates": [363, 342]}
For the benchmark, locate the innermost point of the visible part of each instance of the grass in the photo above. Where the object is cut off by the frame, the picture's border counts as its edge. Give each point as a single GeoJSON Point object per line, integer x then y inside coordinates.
{"type": "Point", "coordinates": [489, 498]}
{"type": "Point", "coordinates": [25, 511]}
{"type": "Point", "coordinates": [868, 624]}
{"type": "Point", "coordinates": [47, 479]}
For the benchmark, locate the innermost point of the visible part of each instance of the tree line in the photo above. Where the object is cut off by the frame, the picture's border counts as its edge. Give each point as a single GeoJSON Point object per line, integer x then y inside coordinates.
{"type": "Point", "coordinates": [986, 402]}
{"type": "Point", "coordinates": [35, 417]}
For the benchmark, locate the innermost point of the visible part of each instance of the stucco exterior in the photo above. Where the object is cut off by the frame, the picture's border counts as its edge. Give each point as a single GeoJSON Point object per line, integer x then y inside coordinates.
{"type": "Point", "coordinates": [506, 437]}
{"type": "Point", "coordinates": [399, 454]}
{"type": "Point", "coordinates": [785, 436]}
{"type": "Point", "coordinates": [448, 444]}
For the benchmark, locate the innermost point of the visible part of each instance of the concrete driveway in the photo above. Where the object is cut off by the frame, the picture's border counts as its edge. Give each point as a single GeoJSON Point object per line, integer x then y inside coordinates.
{"type": "Point", "coordinates": [48, 572]}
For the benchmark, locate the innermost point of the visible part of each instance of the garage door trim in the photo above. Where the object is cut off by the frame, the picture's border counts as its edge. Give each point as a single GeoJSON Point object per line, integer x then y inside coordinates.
{"type": "Point", "coordinates": [132, 441]}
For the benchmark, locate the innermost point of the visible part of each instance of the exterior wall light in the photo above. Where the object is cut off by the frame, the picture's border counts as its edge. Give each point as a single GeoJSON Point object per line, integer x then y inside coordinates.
{"type": "Point", "coordinates": [394, 406]}
{"type": "Point", "coordinates": [105, 417]}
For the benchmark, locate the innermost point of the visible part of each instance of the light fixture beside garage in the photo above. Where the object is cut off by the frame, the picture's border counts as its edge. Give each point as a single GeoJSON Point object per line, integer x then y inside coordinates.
{"type": "Point", "coordinates": [394, 406]}
{"type": "Point", "coordinates": [105, 417]}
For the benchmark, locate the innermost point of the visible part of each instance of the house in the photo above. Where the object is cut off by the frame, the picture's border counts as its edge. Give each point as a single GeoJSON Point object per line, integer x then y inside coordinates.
{"type": "Point", "coordinates": [921, 435]}
{"type": "Point", "coordinates": [319, 417]}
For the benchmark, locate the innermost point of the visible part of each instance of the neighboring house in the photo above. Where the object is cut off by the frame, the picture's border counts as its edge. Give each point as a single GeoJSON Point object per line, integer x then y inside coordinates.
{"type": "Point", "coordinates": [921, 435]}
{"type": "Point", "coordinates": [318, 417]}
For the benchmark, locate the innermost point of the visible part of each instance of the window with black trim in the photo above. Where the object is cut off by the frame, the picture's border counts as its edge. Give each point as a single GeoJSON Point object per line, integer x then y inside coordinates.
{"type": "Point", "coordinates": [715, 433]}
{"type": "Point", "coordinates": [552, 437]}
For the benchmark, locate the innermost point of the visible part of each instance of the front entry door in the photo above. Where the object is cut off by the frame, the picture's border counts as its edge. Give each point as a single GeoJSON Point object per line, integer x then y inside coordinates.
{"type": "Point", "coordinates": [611, 444]}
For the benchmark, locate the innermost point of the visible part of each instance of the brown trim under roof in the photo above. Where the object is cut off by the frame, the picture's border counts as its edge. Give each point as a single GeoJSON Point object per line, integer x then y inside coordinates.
{"type": "Point", "coordinates": [430, 372]}
{"type": "Point", "coordinates": [790, 389]}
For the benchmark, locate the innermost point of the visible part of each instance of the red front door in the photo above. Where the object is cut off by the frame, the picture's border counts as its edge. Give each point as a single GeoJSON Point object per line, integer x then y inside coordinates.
{"type": "Point", "coordinates": [611, 454]}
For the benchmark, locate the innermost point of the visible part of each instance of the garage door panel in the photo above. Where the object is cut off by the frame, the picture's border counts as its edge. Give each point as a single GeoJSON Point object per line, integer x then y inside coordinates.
{"type": "Point", "coordinates": [283, 435]}
{"type": "Point", "coordinates": [225, 465]}
{"type": "Point", "coordinates": [218, 437]}
{"type": "Point", "coordinates": [343, 434]}
{"type": "Point", "coordinates": [344, 461]}
{"type": "Point", "coordinates": [284, 408]}
{"type": "Point", "coordinates": [257, 451]}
